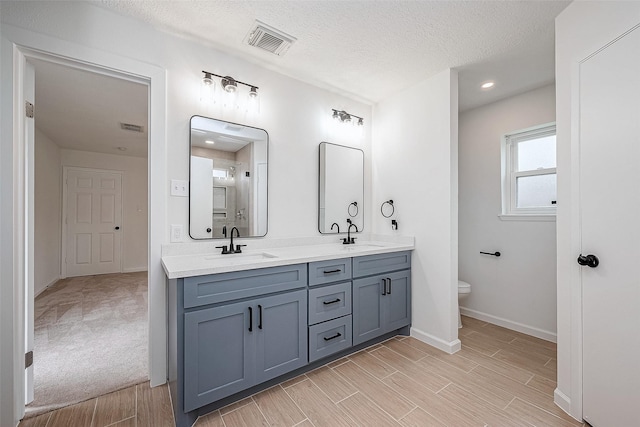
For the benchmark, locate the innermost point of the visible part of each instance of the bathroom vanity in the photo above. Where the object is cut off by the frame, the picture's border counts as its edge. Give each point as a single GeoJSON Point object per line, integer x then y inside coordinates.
{"type": "Point", "coordinates": [243, 322]}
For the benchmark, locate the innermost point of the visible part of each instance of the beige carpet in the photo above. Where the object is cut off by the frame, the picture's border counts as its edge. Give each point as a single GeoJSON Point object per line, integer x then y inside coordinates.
{"type": "Point", "coordinates": [91, 338]}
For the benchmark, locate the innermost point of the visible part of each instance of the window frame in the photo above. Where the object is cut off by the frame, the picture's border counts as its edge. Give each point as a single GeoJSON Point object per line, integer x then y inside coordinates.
{"type": "Point", "coordinates": [510, 174]}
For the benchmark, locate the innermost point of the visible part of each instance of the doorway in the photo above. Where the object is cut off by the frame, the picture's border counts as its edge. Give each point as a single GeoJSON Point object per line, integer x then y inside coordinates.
{"type": "Point", "coordinates": [91, 162]}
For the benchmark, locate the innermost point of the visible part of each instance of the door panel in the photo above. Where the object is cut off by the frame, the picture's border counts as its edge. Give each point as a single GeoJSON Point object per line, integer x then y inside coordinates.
{"type": "Point", "coordinates": [93, 222]}
{"type": "Point", "coordinates": [218, 354]}
{"type": "Point", "coordinates": [610, 208]}
{"type": "Point", "coordinates": [281, 334]}
{"type": "Point", "coordinates": [367, 310]}
{"type": "Point", "coordinates": [398, 301]}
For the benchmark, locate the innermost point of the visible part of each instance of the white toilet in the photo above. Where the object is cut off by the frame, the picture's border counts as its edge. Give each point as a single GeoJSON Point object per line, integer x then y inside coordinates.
{"type": "Point", "coordinates": [464, 289]}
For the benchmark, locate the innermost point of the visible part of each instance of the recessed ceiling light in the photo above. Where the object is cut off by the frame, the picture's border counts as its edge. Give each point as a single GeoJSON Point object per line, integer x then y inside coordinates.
{"type": "Point", "coordinates": [487, 85]}
{"type": "Point", "coordinates": [208, 141]}
{"type": "Point", "coordinates": [122, 148]}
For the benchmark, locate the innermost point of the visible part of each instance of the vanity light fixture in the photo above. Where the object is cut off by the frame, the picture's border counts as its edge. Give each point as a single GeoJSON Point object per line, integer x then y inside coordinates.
{"type": "Point", "coordinates": [230, 86]}
{"type": "Point", "coordinates": [344, 117]}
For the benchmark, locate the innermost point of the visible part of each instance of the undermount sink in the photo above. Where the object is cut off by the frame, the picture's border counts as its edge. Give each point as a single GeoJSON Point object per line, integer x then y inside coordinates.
{"type": "Point", "coordinates": [241, 257]}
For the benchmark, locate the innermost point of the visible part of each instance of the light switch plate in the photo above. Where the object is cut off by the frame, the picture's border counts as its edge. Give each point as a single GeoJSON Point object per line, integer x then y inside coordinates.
{"type": "Point", "coordinates": [179, 188]}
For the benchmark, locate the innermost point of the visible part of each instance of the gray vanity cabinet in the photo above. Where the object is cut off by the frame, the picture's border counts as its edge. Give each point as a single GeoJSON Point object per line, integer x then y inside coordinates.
{"type": "Point", "coordinates": [381, 302]}
{"type": "Point", "coordinates": [233, 347]}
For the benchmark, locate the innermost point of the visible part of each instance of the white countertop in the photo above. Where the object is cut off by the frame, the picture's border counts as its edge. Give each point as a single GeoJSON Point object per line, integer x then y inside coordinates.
{"type": "Point", "coordinates": [197, 259]}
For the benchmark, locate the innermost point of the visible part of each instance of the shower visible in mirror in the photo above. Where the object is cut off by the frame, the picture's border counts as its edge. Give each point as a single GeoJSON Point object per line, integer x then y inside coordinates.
{"type": "Point", "coordinates": [227, 179]}
{"type": "Point", "coordinates": [341, 188]}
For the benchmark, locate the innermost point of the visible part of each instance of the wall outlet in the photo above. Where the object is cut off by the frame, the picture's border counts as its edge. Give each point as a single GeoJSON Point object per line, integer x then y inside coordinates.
{"type": "Point", "coordinates": [177, 231]}
{"type": "Point", "coordinates": [179, 188]}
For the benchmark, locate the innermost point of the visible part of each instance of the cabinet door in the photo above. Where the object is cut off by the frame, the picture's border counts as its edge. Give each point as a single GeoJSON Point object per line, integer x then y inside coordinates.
{"type": "Point", "coordinates": [397, 301]}
{"type": "Point", "coordinates": [218, 354]}
{"type": "Point", "coordinates": [367, 309]}
{"type": "Point", "coordinates": [281, 334]}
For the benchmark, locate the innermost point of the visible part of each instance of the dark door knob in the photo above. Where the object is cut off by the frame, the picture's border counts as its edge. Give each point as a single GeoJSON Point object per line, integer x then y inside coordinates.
{"type": "Point", "coordinates": [588, 260]}
{"type": "Point", "coordinates": [117, 228]}
{"type": "Point", "coordinates": [208, 230]}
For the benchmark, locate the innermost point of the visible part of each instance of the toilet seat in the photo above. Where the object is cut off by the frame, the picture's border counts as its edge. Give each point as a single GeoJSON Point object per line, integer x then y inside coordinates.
{"type": "Point", "coordinates": [463, 287]}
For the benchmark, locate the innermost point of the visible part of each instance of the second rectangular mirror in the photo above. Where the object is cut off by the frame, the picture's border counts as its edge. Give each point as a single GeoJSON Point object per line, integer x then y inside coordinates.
{"type": "Point", "coordinates": [341, 189]}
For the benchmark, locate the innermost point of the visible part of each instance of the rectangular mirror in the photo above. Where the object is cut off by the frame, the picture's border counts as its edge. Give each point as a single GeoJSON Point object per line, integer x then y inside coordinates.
{"type": "Point", "coordinates": [341, 190]}
{"type": "Point", "coordinates": [227, 179]}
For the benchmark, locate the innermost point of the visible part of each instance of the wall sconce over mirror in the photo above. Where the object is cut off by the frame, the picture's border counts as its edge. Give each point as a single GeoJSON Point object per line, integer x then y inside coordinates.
{"type": "Point", "coordinates": [342, 116]}
{"type": "Point", "coordinates": [341, 188]}
{"type": "Point", "coordinates": [228, 179]}
{"type": "Point", "coordinates": [230, 95]}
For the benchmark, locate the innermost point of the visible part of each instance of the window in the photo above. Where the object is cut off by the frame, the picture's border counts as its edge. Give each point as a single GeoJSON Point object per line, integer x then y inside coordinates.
{"type": "Point", "coordinates": [529, 172]}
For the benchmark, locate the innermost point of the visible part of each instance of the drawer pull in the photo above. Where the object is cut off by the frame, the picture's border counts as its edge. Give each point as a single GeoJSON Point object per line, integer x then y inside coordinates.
{"type": "Point", "coordinates": [332, 271]}
{"type": "Point", "coordinates": [338, 334]}
{"type": "Point", "coordinates": [250, 319]}
{"type": "Point", "coordinates": [331, 302]}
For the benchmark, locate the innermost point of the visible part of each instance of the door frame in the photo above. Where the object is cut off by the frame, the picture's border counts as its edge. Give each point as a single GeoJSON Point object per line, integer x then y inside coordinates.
{"type": "Point", "coordinates": [65, 194]}
{"type": "Point", "coordinates": [19, 45]}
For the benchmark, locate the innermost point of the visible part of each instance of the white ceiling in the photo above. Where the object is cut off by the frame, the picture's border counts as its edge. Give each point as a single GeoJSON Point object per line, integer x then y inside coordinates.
{"type": "Point", "coordinates": [372, 49]}
{"type": "Point", "coordinates": [82, 110]}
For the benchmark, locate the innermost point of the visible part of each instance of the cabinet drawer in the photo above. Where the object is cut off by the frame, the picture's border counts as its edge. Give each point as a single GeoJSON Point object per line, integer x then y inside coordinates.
{"type": "Point", "coordinates": [381, 263]}
{"type": "Point", "coordinates": [334, 270]}
{"type": "Point", "coordinates": [215, 288]}
{"type": "Point", "coordinates": [329, 337]}
{"type": "Point", "coordinates": [329, 302]}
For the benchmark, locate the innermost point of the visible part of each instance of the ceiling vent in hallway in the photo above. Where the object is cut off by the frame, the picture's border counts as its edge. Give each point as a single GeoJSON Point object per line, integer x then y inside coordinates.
{"type": "Point", "coordinates": [131, 127]}
{"type": "Point", "coordinates": [268, 38]}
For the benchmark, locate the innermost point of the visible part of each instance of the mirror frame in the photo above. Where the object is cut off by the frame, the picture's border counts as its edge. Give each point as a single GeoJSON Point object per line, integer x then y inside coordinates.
{"type": "Point", "coordinates": [320, 180]}
{"type": "Point", "coordinates": [267, 187]}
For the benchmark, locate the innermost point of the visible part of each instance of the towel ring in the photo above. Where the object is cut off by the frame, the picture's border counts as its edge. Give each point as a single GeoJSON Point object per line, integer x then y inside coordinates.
{"type": "Point", "coordinates": [382, 209]}
{"type": "Point", "coordinates": [355, 208]}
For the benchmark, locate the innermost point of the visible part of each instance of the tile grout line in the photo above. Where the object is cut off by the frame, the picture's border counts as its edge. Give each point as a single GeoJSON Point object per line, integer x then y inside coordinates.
{"type": "Point", "coordinates": [296, 403]}
{"type": "Point", "coordinates": [258, 406]}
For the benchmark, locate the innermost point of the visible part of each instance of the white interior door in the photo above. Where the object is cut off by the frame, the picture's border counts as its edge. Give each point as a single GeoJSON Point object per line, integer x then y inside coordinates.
{"type": "Point", "coordinates": [93, 222]}
{"type": "Point", "coordinates": [609, 97]}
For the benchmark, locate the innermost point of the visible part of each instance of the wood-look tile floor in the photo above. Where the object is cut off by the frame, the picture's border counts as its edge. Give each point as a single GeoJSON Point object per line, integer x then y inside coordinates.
{"type": "Point", "coordinates": [499, 378]}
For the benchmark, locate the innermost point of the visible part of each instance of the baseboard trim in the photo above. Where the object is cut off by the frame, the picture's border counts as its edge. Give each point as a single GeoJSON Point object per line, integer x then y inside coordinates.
{"type": "Point", "coordinates": [134, 269]}
{"type": "Point", "coordinates": [47, 286]}
{"type": "Point", "coordinates": [515, 326]}
{"type": "Point", "coordinates": [562, 400]}
{"type": "Point", "coordinates": [440, 344]}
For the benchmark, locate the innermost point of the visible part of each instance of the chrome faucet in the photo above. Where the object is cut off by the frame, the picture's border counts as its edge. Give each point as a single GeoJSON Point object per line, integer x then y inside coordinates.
{"type": "Point", "coordinates": [231, 249]}
{"type": "Point", "coordinates": [350, 240]}
{"type": "Point", "coordinates": [336, 224]}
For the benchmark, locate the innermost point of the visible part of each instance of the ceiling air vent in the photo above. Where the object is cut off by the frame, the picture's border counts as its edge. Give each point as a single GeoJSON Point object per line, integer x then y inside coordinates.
{"type": "Point", "coordinates": [268, 38]}
{"type": "Point", "coordinates": [132, 127]}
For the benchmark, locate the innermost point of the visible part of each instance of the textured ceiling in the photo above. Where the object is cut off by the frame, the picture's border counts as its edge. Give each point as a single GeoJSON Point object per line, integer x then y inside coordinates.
{"type": "Point", "coordinates": [372, 49]}
{"type": "Point", "coordinates": [82, 110]}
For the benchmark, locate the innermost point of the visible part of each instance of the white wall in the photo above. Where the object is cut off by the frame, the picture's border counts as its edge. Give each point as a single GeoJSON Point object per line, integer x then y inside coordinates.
{"type": "Point", "coordinates": [48, 196]}
{"type": "Point", "coordinates": [134, 200]}
{"type": "Point", "coordinates": [415, 163]}
{"type": "Point", "coordinates": [517, 290]}
{"type": "Point", "coordinates": [581, 29]}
